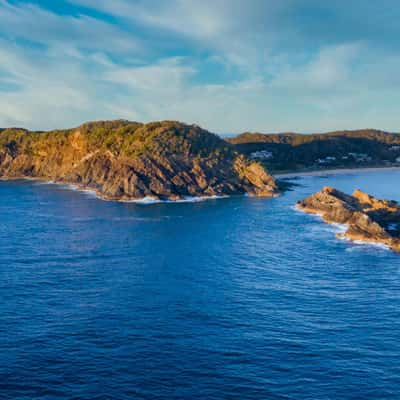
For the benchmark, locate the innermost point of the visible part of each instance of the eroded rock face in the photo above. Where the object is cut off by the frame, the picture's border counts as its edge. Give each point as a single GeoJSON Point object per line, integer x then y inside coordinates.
{"type": "Point", "coordinates": [368, 219]}
{"type": "Point", "coordinates": [124, 160]}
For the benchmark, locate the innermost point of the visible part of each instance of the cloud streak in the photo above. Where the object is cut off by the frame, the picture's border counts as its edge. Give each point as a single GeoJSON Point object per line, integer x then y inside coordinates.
{"type": "Point", "coordinates": [230, 66]}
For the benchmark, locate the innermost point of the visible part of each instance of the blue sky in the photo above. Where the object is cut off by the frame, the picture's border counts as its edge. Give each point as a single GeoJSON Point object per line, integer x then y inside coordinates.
{"type": "Point", "coordinates": [227, 65]}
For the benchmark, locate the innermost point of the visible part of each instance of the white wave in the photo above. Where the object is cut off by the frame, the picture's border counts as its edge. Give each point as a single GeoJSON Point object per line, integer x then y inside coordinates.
{"type": "Point", "coordinates": [186, 199]}
{"type": "Point", "coordinates": [72, 187]}
{"type": "Point", "coordinates": [76, 188]}
{"type": "Point", "coordinates": [88, 192]}
{"type": "Point", "coordinates": [147, 200]}
{"type": "Point", "coordinates": [336, 227]}
{"type": "Point", "coordinates": [296, 208]}
{"type": "Point", "coordinates": [194, 199]}
{"type": "Point", "coordinates": [45, 182]}
{"type": "Point", "coordinates": [339, 228]}
{"type": "Point", "coordinates": [373, 244]}
{"type": "Point", "coordinates": [365, 243]}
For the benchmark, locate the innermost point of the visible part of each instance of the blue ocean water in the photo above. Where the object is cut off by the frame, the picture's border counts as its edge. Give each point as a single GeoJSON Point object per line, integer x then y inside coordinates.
{"type": "Point", "coordinates": [237, 298]}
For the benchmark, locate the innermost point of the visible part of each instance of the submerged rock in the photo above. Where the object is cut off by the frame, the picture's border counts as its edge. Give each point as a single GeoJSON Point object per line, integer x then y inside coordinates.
{"type": "Point", "coordinates": [124, 160]}
{"type": "Point", "coordinates": [368, 219]}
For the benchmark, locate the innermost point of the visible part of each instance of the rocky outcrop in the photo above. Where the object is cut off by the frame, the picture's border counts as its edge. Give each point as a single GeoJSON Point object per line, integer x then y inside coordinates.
{"type": "Point", "coordinates": [124, 160]}
{"type": "Point", "coordinates": [368, 219]}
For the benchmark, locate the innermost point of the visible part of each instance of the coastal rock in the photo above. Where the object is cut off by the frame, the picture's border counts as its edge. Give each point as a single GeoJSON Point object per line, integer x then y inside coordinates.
{"type": "Point", "coordinates": [368, 219]}
{"type": "Point", "coordinates": [124, 160]}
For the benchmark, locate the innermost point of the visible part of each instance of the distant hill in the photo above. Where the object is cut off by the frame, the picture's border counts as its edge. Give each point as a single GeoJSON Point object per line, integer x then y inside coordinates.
{"type": "Point", "coordinates": [129, 160]}
{"type": "Point", "coordinates": [293, 151]}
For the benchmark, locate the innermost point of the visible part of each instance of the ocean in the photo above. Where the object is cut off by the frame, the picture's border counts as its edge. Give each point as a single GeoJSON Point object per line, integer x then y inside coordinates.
{"type": "Point", "coordinates": [233, 298]}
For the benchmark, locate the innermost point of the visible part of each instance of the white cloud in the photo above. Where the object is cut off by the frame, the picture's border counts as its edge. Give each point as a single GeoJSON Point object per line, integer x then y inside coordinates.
{"type": "Point", "coordinates": [43, 27]}
{"type": "Point", "coordinates": [166, 75]}
{"type": "Point", "coordinates": [242, 32]}
{"type": "Point", "coordinates": [56, 90]}
{"type": "Point", "coordinates": [52, 89]}
{"type": "Point", "coordinates": [85, 69]}
{"type": "Point", "coordinates": [328, 70]}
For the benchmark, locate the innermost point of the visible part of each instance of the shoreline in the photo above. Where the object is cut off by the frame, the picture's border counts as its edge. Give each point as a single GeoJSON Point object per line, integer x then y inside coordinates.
{"type": "Point", "coordinates": [355, 216]}
{"type": "Point", "coordinates": [340, 230]}
{"type": "Point", "coordinates": [337, 171]}
{"type": "Point", "coordinates": [148, 200]}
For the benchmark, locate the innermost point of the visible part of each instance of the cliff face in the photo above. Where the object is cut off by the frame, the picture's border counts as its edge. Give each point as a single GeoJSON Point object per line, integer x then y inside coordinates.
{"type": "Point", "coordinates": [368, 219]}
{"type": "Point", "coordinates": [126, 160]}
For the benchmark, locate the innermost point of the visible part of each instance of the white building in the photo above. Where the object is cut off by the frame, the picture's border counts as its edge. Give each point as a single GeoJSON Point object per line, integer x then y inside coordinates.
{"type": "Point", "coordinates": [325, 160]}
{"type": "Point", "coordinates": [262, 154]}
{"type": "Point", "coordinates": [360, 157]}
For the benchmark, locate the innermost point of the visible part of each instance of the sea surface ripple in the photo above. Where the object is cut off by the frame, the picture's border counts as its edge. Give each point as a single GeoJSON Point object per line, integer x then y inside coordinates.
{"type": "Point", "coordinates": [236, 298]}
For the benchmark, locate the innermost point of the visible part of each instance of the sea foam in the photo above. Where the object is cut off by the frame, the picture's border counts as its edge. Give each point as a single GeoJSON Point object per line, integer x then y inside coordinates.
{"type": "Point", "coordinates": [186, 199]}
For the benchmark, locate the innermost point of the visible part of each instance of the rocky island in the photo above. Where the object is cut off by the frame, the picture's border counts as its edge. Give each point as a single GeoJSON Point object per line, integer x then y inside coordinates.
{"type": "Point", "coordinates": [367, 218]}
{"type": "Point", "coordinates": [123, 160]}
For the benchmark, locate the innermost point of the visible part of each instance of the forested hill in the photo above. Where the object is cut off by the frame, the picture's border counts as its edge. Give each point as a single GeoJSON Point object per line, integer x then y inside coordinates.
{"type": "Point", "coordinates": [126, 160]}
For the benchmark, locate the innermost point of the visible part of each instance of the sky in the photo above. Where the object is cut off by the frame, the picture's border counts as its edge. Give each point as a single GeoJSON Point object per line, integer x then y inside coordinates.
{"type": "Point", "coordinates": [227, 65]}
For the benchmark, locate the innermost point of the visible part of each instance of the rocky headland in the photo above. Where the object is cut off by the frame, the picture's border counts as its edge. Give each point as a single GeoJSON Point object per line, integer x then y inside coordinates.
{"type": "Point", "coordinates": [367, 218]}
{"type": "Point", "coordinates": [123, 160]}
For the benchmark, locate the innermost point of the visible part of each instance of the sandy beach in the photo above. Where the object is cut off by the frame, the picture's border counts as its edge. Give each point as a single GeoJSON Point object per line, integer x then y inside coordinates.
{"type": "Point", "coordinates": [333, 172]}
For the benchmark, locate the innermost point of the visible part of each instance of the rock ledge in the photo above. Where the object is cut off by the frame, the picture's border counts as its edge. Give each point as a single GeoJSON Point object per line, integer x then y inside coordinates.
{"type": "Point", "coordinates": [367, 218]}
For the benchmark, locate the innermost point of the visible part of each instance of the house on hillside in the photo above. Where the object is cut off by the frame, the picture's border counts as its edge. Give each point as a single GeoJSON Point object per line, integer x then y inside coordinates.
{"type": "Point", "coordinates": [261, 154]}
{"type": "Point", "coordinates": [326, 160]}
{"type": "Point", "coordinates": [360, 157]}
